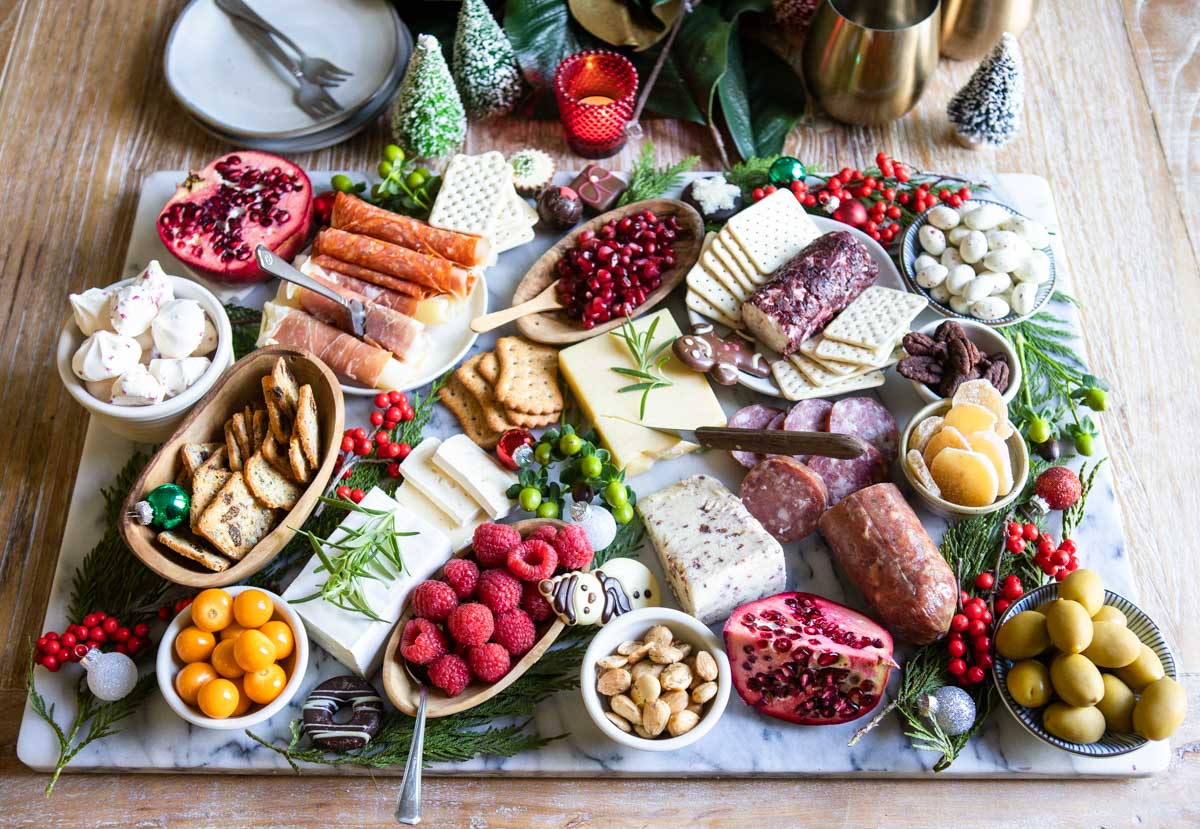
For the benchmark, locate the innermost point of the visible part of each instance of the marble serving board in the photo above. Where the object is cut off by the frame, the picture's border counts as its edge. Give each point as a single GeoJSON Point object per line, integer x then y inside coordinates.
{"type": "Point", "coordinates": [743, 742]}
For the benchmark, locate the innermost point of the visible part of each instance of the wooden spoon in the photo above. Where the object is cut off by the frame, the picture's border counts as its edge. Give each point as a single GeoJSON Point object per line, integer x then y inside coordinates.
{"type": "Point", "coordinates": [547, 300]}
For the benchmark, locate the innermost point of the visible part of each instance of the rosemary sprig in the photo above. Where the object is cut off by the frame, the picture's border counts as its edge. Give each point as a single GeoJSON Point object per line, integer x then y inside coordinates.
{"type": "Point", "coordinates": [1074, 514]}
{"type": "Point", "coordinates": [649, 181]}
{"type": "Point", "coordinates": [650, 359]}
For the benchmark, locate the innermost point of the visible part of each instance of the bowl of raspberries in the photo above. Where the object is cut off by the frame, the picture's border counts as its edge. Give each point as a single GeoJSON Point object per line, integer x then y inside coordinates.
{"type": "Point", "coordinates": [475, 627]}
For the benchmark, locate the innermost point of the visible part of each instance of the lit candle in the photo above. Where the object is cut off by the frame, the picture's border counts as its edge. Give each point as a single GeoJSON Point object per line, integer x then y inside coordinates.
{"type": "Point", "coordinates": [595, 100]}
{"type": "Point", "coordinates": [595, 91]}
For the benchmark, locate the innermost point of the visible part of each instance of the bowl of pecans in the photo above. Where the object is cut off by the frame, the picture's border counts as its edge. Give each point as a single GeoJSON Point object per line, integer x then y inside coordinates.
{"type": "Point", "coordinates": [655, 679]}
{"type": "Point", "coordinates": [934, 361]}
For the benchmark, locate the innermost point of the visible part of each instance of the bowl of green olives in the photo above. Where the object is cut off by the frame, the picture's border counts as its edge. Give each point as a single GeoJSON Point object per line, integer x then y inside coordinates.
{"type": "Point", "coordinates": [1086, 670]}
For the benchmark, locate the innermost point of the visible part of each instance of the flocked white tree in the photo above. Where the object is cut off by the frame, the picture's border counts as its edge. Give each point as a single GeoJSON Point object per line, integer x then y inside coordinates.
{"type": "Point", "coordinates": [428, 118]}
{"type": "Point", "coordinates": [987, 111]}
{"type": "Point", "coordinates": [485, 66]}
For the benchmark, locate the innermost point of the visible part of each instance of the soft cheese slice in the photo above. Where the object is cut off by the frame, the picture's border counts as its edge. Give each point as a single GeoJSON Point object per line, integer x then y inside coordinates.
{"type": "Point", "coordinates": [418, 469]}
{"type": "Point", "coordinates": [411, 499]}
{"type": "Point", "coordinates": [687, 404]}
{"type": "Point", "coordinates": [350, 637]}
{"type": "Point", "coordinates": [474, 470]}
{"type": "Point", "coordinates": [715, 554]}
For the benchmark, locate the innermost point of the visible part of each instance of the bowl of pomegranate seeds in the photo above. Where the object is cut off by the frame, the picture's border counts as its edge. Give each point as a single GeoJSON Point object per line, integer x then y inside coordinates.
{"type": "Point", "coordinates": [620, 264]}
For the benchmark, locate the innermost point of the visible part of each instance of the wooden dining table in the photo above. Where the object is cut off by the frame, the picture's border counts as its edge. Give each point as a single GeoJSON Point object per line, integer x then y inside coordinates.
{"type": "Point", "coordinates": [1112, 120]}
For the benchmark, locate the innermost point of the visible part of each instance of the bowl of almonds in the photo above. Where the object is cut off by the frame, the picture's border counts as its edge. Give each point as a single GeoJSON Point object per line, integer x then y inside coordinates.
{"type": "Point", "coordinates": [655, 679]}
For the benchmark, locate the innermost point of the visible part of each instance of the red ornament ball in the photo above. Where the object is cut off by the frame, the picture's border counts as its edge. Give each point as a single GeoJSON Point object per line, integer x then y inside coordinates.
{"type": "Point", "coordinates": [1059, 487]}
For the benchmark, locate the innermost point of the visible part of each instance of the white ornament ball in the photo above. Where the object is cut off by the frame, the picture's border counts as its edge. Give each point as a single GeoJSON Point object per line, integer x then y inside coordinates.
{"type": "Point", "coordinates": [598, 523]}
{"type": "Point", "coordinates": [110, 676]}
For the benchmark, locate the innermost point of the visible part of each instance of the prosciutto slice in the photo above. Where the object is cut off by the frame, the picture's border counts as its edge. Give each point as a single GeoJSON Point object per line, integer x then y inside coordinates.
{"type": "Point", "coordinates": [382, 280]}
{"type": "Point", "coordinates": [401, 303]}
{"type": "Point", "coordinates": [350, 357]}
{"type": "Point", "coordinates": [354, 215]}
{"type": "Point", "coordinates": [442, 275]}
{"type": "Point", "coordinates": [401, 335]}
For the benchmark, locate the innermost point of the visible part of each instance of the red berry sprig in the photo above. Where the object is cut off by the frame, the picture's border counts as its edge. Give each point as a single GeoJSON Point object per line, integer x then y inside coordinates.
{"type": "Point", "coordinates": [53, 650]}
{"type": "Point", "coordinates": [1055, 561]}
{"type": "Point", "coordinates": [391, 409]}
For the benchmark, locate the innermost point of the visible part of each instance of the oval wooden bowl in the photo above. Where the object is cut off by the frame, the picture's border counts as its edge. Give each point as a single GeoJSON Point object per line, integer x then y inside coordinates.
{"type": "Point", "coordinates": [555, 327]}
{"type": "Point", "coordinates": [240, 385]}
{"type": "Point", "coordinates": [405, 694]}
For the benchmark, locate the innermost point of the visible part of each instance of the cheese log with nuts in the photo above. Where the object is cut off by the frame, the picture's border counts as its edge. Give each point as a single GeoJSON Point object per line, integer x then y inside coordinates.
{"type": "Point", "coordinates": [714, 553]}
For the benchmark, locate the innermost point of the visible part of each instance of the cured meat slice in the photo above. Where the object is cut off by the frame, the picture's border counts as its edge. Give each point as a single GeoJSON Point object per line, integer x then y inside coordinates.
{"type": "Point", "coordinates": [391, 283]}
{"type": "Point", "coordinates": [845, 476]}
{"type": "Point", "coordinates": [809, 290]}
{"type": "Point", "coordinates": [401, 335]}
{"type": "Point", "coordinates": [867, 418]}
{"type": "Point", "coordinates": [354, 215]}
{"type": "Point", "coordinates": [785, 496]}
{"type": "Point", "coordinates": [808, 416]}
{"type": "Point", "coordinates": [344, 353]}
{"type": "Point", "coordinates": [880, 543]}
{"type": "Point", "coordinates": [401, 303]}
{"type": "Point", "coordinates": [442, 275]}
{"type": "Point", "coordinates": [756, 416]}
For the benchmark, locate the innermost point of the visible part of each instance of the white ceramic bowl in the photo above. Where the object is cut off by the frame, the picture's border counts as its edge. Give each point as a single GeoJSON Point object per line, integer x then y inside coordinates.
{"type": "Point", "coordinates": [167, 665]}
{"type": "Point", "coordinates": [156, 423]}
{"type": "Point", "coordinates": [989, 341]}
{"type": "Point", "coordinates": [632, 626]}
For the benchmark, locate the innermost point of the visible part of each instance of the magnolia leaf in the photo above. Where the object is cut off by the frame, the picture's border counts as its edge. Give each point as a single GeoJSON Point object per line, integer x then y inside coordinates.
{"type": "Point", "coordinates": [624, 22]}
{"type": "Point", "coordinates": [542, 34]}
{"type": "Point", "coordinates": [761, 98]}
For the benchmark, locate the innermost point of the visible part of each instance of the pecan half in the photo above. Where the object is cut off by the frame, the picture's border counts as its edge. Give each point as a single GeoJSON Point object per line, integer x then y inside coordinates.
{"type": "Point", "coordinates": [921, 369]}
{"type": "Point", "coordinates": [918, 344]}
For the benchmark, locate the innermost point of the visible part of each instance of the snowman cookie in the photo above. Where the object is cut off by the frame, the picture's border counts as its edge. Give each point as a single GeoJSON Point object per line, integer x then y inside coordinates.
{"type": "Point", "coordinates": [597, 597]}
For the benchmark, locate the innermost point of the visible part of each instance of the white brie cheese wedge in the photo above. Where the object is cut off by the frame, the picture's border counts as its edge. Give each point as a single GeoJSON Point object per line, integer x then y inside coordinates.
{"type": "Point", "coordinates": [419, 471]}
{"type": "Point", "coordinates": [474, 470]}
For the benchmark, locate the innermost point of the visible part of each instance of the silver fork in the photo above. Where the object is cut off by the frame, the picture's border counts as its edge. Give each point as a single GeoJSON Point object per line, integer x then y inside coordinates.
{"type": "Point", "coordinates": [310, 97]}
{"type": "Point", "coordinates": [316, 70]}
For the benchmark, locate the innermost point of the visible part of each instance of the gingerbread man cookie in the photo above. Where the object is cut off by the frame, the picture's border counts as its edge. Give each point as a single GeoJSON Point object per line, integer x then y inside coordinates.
{"type": "Point", "coordinates": [706, 351]}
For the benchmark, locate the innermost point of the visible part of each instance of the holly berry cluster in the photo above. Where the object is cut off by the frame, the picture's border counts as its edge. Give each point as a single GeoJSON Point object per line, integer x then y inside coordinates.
{"type": "Point", "coordinates": [481, 615]}
{"type": "Point", "coordinates": [391, 409]}
{"type": "Point", "coordinates": [970, 641]}
{"type": "Point", "coordinates": [1056, 562]}
{"type": "Point", "coordinates": [96, 630]}
{"type": "Point", "coordinates": [586, 470]}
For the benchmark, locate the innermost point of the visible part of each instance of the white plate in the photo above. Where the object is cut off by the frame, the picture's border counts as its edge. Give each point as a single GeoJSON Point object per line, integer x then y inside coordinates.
{"type": "Point", "coordinates": [220, 78]}
{"type": "Point", "coordinates": [889, 277]}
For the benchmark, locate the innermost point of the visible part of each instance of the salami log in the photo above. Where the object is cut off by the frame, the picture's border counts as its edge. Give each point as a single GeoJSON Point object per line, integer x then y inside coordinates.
{"type": "Point", "coordinates": [846, 476]}
{"type": "Point", "coordinates": [809, 290]}
{"type": "Point", "coordinates": [391, 283]}
{"type": "Point", "coordinates": [867, 418]}
{"type": "Point", "coordinates": [344, 353]}
{"type": "Point", "coordinates": [354, 215]}
{"type": "Point", "coordinates": [785, 496]}
{"type": "Point", "coordinates": [394, 260]}
{"type": "Point", "coordinates": [401, 335]}
{"type": "Point", "coordinates": [880, 543]}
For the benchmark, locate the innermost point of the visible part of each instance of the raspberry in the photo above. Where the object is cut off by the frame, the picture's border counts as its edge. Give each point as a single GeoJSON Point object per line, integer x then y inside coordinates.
{"type": "Point", "coordinates": [514, 630]}
{"type": "Point", "coordinates": [462, 575]}
{"type": "Point", "coordinates": [489, 662]}
{"type": "Point", "coordinates": [451, 674]}
{"type": "Point", "coordinates": [534, 603]}
{"type": "Point", "coordinates": [492, 543]}
{"type": "Point", "coordinates": [1059, 487]}
{"type": "Point", "coordinates": [471, 624]}
{"type": "Point", "coordinates": [573, 548]}
{"type": "Point", "coordinates": [433, 600]}
{"type": "Point", "coordinates": [422, 642]}
{"type": "Point", "coordinates": [533, 561]}
{"type": "Point", "coordinates": [546, 533]}
{"type": "Point", "coordinates": [499, 590]}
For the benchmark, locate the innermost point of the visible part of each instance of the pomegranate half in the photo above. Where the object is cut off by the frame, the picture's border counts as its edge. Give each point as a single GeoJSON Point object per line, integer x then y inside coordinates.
{"type": "Point", "coordinates": [803, 658]}
{"type": "Point", "coordinates": [219, 215]}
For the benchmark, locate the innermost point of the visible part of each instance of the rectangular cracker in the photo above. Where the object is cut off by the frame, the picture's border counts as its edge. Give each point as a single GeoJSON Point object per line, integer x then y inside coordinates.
{"type": "Point", "coordinates": [485, 395]}
{"type": "Point", "coordinates": [307, 426]}
{"type": "Point", "coordinates": [286, 388]}
{"type": "Point", "coordinates": [217, 460]}
{"type": "Point", "coordinates": [190, 549]}
{"type": "Point", "coordinates": [742, 273]}
{"type": "Point", "coordinates": [268, 486]}
{"type": "Point", "coordinates": [241, 433]}
{"type": "Point", "coordinates": [276, 455]}
{"type": "Point", "coordinates": [528, 378]}
{"type": "Point", "coordinates": [705, 308]}
{"type": "Point", "coordinates": [206, 483]}
{"type": "Point", "coordinates": [233, 449]}
{"type": "Point", "coordinates": [193, 455]}
{"type": "Point", "coordinates": [795, 386]}
{"type": "Point", "coordinates": [878, 317]}
{"type": "Point", "coordinates": [729, 246]}
{"type": "Point", "coordinates": [259, 428]}
{"type": "Point", "coordinates": [474, 192]}
{"type": "Point", "coordinates": [277, 414]}
{"type": "Point", "coordinates": [463, 405]}
{"type": "Point", "coordinates": [773, 230]}
{"type": "Point", "coordinates": [234, 520]}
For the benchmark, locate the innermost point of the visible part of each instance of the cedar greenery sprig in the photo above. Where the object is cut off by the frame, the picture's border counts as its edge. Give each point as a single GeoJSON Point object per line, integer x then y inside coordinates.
{"type": "Point", "coordinates": [245, 324]}
{"type": "Point", "coordinates": [650, 359]}
{"type": "Point", "coordinates": [649, 181]}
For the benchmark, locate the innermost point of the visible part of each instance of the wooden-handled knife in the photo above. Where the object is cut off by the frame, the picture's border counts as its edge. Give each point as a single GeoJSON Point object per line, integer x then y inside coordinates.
{"type": "Point", "coordinates": [766, 441]}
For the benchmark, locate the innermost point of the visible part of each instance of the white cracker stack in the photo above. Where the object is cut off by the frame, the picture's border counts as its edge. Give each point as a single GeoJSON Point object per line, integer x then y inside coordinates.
{"type": "Point", "coordinates": [478, 197]}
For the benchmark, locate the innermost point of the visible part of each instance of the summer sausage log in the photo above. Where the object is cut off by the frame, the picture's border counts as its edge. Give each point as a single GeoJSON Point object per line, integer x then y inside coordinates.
{"type": "Point", "coordinates": [809, 290]}
{"type": "Point", "coordinates": [785, 496]}
{"type": "Point", "coordinates": [354, 215]}
{"type": "Point", "coordinates": [880, 543]}
{"type": "Point", "coordinates": [394, 260]}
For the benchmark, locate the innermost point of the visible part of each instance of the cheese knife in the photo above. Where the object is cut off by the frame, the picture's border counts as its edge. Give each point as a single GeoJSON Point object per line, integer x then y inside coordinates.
{"type": "Point", "coordinates": [766, 441]}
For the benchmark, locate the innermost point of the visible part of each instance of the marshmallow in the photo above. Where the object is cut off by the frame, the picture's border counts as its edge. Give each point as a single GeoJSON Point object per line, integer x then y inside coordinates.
{"type": "Point", "coordinates": [105, 355]}
{"type": "Point", "coordinates": [176, 376]}
{"type": "Point", "coordinates": [91, 310]}
{"type": "Point", "coordinates": [137, 387]}
{"type": "Point", "coordinates": [178, 328]}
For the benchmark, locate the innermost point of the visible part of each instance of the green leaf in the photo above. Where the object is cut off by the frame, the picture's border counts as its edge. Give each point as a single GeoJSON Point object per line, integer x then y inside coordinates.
{"type": "Point", "coordinates": [542, 33]}
{"type": "Point", "coordinates": [761, 98]}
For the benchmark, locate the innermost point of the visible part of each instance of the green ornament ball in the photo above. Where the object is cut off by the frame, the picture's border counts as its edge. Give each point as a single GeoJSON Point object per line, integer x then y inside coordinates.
{"type": "Point", "coordinates": [785, 170]}
{"type": "Point", "coordinates": [165, 507]}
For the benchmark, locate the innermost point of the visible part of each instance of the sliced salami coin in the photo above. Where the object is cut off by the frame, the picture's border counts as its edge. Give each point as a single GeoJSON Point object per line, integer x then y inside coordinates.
{"type": "Point", "coordinates": [786, 496]}
{"type": "Point", "coordinates": [757, 416]}
{"type": "Point", "coordinates": [777, 421]}
{"type": "Point", "coordinates": [867, 418]}
{"type": "Point", "coordinates": [846, 476]}
{"type": "Point", "coordinates": [808, 416]}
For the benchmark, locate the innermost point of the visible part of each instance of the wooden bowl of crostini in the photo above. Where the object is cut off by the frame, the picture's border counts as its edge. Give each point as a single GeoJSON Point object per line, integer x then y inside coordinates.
{"type": "Point", "coordinates": [240, 385]}
{"type": "Point", "coordinates": [555, 327]}
{"type": "Point", "coordinates": [405, 694]}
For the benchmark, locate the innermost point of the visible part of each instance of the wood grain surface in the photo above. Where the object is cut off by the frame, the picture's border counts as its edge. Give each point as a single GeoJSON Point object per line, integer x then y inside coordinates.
{"type": "Point", "coordinates": [1110, 120]}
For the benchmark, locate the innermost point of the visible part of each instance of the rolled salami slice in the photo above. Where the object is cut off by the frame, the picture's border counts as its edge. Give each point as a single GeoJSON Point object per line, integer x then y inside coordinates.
{"type": "Point", "coordinates": [867, 418]}
{"type": "Point", "coordinates": [344, 353]}
{"type": "Point", "coordinates": [808, 416]}
{"type": "Point", "coordinates": [785, 496]}
{"type": "Point", "coordinates": [394, 260]}
{"type": "Point", "coordinates": [401, 335]}
{"type": "Point", "coordinates": [382, 280]}
{"type": "Point", "coordinates": [848, 475]}
{"type": "Point", "coordinates": [880, 543]}
{"type": "Point", "coordinates": [354, 215]}
{"type": "Point", "coordinates": [756, 416]}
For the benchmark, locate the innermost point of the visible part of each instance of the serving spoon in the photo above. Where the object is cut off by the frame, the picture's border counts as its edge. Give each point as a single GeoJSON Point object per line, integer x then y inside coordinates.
{"type": "Point", "coordinates": [408, 808]}
{"type": "Point", "coordinates": [547, 300]}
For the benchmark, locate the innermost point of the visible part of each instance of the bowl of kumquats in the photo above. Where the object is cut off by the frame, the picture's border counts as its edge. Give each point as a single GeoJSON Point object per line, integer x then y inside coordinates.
{"type": "Point", "coordinates": [232, 658]}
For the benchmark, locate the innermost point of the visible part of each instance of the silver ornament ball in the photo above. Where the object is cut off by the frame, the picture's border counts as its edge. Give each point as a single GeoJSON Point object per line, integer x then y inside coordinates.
{"type": "Point", "coordinates": [952, 708]}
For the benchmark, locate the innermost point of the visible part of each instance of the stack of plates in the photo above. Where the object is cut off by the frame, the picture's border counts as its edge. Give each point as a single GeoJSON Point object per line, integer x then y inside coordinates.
{"type": "Point", "coordinates": [244, 97]}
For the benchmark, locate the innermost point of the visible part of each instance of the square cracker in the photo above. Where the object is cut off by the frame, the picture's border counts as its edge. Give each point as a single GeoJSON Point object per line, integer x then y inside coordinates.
{"type": "Point", "coordinates": [743, 275]}
{"type": "Point", "coordinates": [716, 268]}
{"type": "Point", "coordinates": [279, 418]}
{"type": "Point", "coordinates": [189, 548]}
{"type": "Point", "coordinates": [701, 282]}
{"type": "Point", "coordinates": [463, 405]}
{"type": "Point", "coordinates": [489, 369]}
{"type": "Point", "coordinates": [474, 194]}
{"type": "Point", "coordinates": [268, 486]}
{"type": "Point", "coordinates": [877, 318]}
{"type": "Point", "coordinates": [795, 386]}
{"type": "Point", "coordinates": [727, 248]}
{"type": "Point", "coordinates": [206, 483]}
{"type": "Point", "coordinates": [307, 426]}
{"type": "Point", "coordinates": [705, 308]}
{"type": "Point", "coordinates": [474, 382]}
{"type": "Point", "coordinates": [528, 379]}
{"type": "Point", "coordinates": [816, 372]}
{"type": "Point", "coordinates": [773, 230]}
{"type": "Point", "coordinates": [234, 520]}
{"type": "Point", "coordinates": [831, 350]}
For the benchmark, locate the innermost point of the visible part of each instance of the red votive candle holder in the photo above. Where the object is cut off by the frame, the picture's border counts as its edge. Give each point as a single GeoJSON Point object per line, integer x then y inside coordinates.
{"type": "Point", "coordinates": [596, 91]}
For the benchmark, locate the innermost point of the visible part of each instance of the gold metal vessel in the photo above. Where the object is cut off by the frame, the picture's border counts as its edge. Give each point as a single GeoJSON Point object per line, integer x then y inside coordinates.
{"type": "Point", "coordinates": [970, 28]}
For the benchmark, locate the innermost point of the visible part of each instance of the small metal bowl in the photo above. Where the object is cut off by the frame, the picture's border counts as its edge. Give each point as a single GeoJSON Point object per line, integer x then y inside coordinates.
{"type": "Point", "coordinates": [1111, 744]}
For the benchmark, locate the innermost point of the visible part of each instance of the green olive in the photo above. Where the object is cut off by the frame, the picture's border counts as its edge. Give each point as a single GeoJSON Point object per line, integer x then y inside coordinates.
{"type": "Point", "coordinates": [1085, 587]}
{"type": "Point", "coordinates": [1029, 683]}
{"type": "Point", "coordinates": [1117, 705]}
{"type": "Point", "coordinates": [1023, 636]}
{"type": "Point", "coordinates": [1113, 645]}
{"type": "Point", "coordinates": [1075, 725]}
{"type": "Point", "coordinates": [1143, 670]}
{"type": "Point", "coordinates": [1108, 613]}
{"type": "Point", "coordinates": [1076, 680]}
{"type": "Point", "coordinates": [1160, 710]}
{"type": "Point", "coordinates": [1069, 625]}
{"type": "Point", "coordinates": [1044, 606]}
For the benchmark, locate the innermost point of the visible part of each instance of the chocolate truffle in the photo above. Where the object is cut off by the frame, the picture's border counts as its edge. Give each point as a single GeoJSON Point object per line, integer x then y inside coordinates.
{"type": "Point", "coordinates": [560, 207]}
